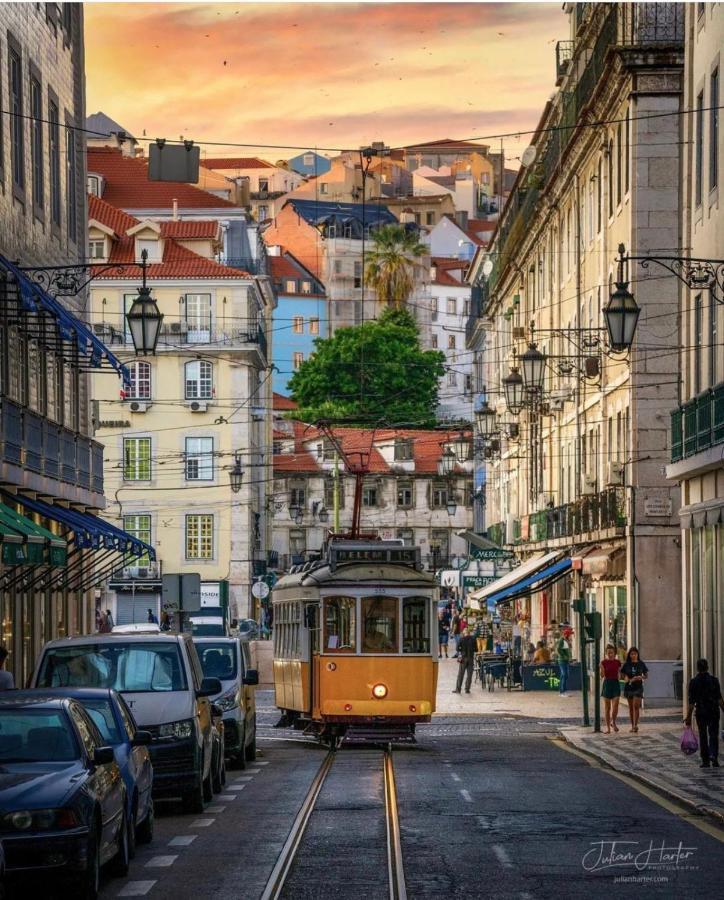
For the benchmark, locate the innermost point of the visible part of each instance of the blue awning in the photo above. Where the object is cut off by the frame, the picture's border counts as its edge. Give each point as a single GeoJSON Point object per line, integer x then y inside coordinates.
{"type": "Point", "coordinates": [88, 530]}
{"type": "Point", "coordinates": [541, 578]}
{"type": "Point", "coordinates": [34, 300]}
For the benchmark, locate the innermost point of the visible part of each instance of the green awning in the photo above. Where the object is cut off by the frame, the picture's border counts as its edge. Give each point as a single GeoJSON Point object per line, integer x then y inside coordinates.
{"type": "Point", "coordinates": [36, 540]}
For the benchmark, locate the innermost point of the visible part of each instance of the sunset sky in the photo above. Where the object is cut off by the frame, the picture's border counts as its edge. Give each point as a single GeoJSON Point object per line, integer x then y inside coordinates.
{"type": "Point", "coordinates": [333, 75]}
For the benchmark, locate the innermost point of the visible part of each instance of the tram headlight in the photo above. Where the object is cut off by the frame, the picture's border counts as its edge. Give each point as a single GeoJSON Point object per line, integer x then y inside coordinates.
{"type": "Point", "coordinates": [379, 691]}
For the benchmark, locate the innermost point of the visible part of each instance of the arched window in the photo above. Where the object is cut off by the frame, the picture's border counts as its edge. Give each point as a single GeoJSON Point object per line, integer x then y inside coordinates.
{"type": "Point", "coordinates": [619, 162]}
{"type": "Point", "coordinates": [140, 388]}
{"type": "Point", "coordinates": [199, 380]}
{"type": "Point", "coordinates": [610, 178]}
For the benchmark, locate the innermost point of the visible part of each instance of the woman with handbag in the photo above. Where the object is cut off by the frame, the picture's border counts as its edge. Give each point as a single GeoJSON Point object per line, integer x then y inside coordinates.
{"type": "Point", "coordinates": [634, 671]}
{"type": "Point", "coordinates": [611, 688]}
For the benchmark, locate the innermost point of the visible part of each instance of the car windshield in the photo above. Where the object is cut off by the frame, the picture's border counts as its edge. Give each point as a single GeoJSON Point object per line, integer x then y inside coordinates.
{"type": "Point", "coordinates": [125, 666]}
{"type": "Point", "coordinates": [208, 627]}
{"type": "Point", "coordinates": [102, 714]}
{"type": "Point", "coordinates": [218, 660]}
{"type": "Point", "coordinates": [36, 735]}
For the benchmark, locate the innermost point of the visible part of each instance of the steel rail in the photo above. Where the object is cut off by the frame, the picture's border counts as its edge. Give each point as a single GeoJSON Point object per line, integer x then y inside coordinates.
{"type": "Point", "coordinates": [395, 868]}
{"type": "Point", "coordinates": [279, 873]}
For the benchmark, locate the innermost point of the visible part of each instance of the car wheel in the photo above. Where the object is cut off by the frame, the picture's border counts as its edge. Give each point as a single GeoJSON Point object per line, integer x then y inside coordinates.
{"type": "Point", "coordinates": [144, 832]}
{"type": "Point", "coordinates": [223, 771]}
{"type": "Point", "coordinates": [193, 800]}
{"type": "Point", "coordinates": [121, 861]}
{"type": "Point", "coordinates": [250, 748]}
{"type": "Point", "coordinates": [89, 881]}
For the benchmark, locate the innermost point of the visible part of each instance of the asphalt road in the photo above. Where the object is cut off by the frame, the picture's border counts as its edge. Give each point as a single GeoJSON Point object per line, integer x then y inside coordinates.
{"type": "Point", "coordinates": [492, 808]}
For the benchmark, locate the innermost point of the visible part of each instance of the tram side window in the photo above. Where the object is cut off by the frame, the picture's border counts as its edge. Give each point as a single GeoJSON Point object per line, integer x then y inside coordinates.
{"type": "Point", "coordinates": [339, 624]}
{"type": "Point", "coordinates": [416, 625]}
{"type": "Point", "coordinates": [380, 624]}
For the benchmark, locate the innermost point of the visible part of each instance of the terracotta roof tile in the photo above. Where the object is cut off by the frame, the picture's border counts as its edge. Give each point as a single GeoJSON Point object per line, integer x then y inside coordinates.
{"type": "Point", "coordinates": [294, 462]}
{"type": "Point", "coordinates": [235, 162]}
{"type": "Point", "coordinates": [190, 229]}
{"type": "Point", "coordinates": [282, 402]}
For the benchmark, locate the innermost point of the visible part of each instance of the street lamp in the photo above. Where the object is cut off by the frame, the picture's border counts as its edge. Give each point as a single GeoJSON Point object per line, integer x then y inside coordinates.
{"type": "Point", "coordinates": [533, 363]}
{"type": "Point", "coordinates": [486, 420]}
{"type": "Point", "coordinates": [293, 512]}
{"type": "Point", "coordinates": [144, 319]}
{"type": "Point", "coordinates": [299, 516]}
{"type": "Point", "coordinates": [323, 515]}
{"type": "Point", "coordinates": [447, 462]}
{"type": "Point", "coordinates": [513, 391]}
{"type": "Point", "coordinates": [235, 475]}
{"type": "Point", "coordinates": [461, 448]}
{"type": "Point", "coordinates": [621, 314]}
{"type": "Point", "coordinates": [452, 507]}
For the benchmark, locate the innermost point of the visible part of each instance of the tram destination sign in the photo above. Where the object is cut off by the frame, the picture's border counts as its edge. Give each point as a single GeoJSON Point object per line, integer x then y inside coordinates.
{"type": "Point", "coordinates": [396, 554]}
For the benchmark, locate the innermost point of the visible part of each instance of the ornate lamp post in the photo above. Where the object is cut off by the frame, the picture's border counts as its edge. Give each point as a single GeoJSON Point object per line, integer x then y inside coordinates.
{"type": "Point", "coordinates": [236, 475]}
{"type": "Point", "coordinates": [144, 318]}
{"type": "Point", "coordinates": [513, 389]}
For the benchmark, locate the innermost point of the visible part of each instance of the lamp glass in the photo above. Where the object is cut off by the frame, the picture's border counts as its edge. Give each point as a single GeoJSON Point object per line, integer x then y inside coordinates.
{"type": "Point", "coordinates": [144, 322]}
{"type": "Point", "coordinates": [235, 476]}
{"type": "Point", "coordinates": [323, 515]}
{"type": "Point", "coordinates": [486, 420]}
{"type": "Point", "coordinates": [513, 391]}
{"type": "Point", "coordinates": [447, 462]}
{"type": "Point", "coordinates": [452, 507]}
{"type": "Point", "coordinates": [533, 363]}
{"type": "Point", "coordinates": [622, 315]}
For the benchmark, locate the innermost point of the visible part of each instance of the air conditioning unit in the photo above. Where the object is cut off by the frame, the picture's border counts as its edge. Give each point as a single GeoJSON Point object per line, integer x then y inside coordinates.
{"type": "Point", "coordinates": [179, 327]}
{"type": "Point", "coordinates": [556, 405]}
{"type": "Point", "coordinates": [589, 484]}
{"type": "Point", "coordinates": [614, 473]}
{"type": "Point", "coordinates": [142, 572]}
{"type": "Point", "coordinates": [138, 406]}
{"type": "Point", "coordinates": [197, 405]}
{"type": "Point", "coordinates": [518, 333]}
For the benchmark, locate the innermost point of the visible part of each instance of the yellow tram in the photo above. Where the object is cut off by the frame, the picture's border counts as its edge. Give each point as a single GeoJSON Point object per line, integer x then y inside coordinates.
{"type": "Point", "coordinates": [355, 641]}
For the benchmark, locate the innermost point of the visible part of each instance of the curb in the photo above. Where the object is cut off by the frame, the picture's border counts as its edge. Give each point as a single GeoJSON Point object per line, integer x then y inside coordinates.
{"type": "Point", "coordinates": [656, 786]}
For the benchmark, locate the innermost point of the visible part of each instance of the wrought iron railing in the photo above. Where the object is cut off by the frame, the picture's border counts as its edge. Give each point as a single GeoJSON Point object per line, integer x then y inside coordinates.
{"type": "Point", "coordinates": [698, 424]}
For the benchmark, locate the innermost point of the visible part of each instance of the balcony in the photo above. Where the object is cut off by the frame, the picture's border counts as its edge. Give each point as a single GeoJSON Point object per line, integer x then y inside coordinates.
{"type": "Point", "coordinates": [139, 576]}
{"type": "Point", "coordinates": [564, 55]}
{"type": "Point", "coordinates": [698, 424]}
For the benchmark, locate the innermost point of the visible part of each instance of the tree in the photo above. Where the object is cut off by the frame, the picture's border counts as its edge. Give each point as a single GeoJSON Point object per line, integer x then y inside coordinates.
{"type": "Point", "coordinates": [375, 373]}
{"type": "Point", "coordinates": [391, 263]}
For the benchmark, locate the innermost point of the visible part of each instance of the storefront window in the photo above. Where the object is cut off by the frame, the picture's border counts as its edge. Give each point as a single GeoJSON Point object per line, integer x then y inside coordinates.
{"type": "Point", "coordinates": [615, 619]}
{"type": "Point", "coordinates": [6, 626]}
{"type": "Point", "coordinates": [339, 624]}
{"type": "Point", "coordinates": [27, 636]}
{"type": "Point", "coordinates": [708, 598]}
{"type": "Point", "coordinates": [416, 625]}
{"type": "Point", "coordinates": [379, 624]}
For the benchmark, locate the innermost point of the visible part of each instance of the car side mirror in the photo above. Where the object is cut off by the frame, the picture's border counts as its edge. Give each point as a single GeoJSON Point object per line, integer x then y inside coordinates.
{"type": "Point", "coordinates": [209, 687]}
{"type": "Point", "coordinates": [142, 739]}
{"type": "Point", "coordinates": [252, 677]}
{"type": "Point", "coordinates": [103, 755]}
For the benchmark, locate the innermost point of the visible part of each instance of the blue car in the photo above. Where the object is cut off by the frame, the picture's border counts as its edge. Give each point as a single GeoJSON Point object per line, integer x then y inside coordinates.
{"type": "Point", "coordinates": [62, 796]}
{"type": "Point", "coordinates": [118, 728]}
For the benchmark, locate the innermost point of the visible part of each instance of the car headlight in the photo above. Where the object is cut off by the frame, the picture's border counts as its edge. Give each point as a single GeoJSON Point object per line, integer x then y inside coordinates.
{"type": "Point", "coordinates": [176, 730]}
{"type": "Point", "coordinates": [227, 701]}
{"type": "Point", "coordinates": [39, 820]}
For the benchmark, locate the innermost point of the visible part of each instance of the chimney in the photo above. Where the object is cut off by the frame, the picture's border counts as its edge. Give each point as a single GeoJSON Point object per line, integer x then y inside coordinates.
{"type": "Point", "coordinates": [175, 209]}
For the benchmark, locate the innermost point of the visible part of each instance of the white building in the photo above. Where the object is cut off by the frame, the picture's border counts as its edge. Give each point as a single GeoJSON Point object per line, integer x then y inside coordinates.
{"type": "Point", "coordinates": [450, 309]}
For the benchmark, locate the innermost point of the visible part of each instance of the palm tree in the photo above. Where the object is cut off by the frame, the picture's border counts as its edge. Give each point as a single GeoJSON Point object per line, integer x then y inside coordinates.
{"type": "Point", "coordinates": [391, 263]}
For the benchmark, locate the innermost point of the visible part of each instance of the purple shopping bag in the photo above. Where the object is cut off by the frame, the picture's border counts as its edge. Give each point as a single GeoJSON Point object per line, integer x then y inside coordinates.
{"type": "Point", "coordinates": [689, 743]}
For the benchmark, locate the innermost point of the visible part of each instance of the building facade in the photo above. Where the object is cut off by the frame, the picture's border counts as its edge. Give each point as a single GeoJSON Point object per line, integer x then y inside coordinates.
{"type": "Point", "coordinates": [450, 309]}
{"type": "Point", "coordinates": [698, 422]}
{"type": "Point", "coordinates": [581, 467]}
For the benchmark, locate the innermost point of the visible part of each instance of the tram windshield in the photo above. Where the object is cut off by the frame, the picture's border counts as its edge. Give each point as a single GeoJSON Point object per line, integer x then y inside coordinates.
{"type": "Point", "coordinates": [340, 624]}
{"type": "Point", "coordinates": [380, 624]}
{"type": "Point", "coordinates": [416, 625]}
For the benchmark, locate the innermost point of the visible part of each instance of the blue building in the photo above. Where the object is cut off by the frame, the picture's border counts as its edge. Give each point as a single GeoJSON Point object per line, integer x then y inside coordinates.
{"type": "Point", "coordinates": [310, 164]}
{"type": "Point", "coordinates": [300, 317]}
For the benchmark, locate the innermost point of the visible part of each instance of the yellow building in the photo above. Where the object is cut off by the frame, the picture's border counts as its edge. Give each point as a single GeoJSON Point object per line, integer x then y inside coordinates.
{"type": "Point", "coordinates": [194, 409]}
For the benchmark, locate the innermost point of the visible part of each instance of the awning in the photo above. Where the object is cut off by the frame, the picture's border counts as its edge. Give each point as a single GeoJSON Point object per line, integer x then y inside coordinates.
{"type": "Point", "coordinates": [37, 538]}
{"type": "Point", "coordinates": [599, 562]}
{"type": "Point", "coordinates": [14, 548]}
{"type": "Point", "coordinates": [697, 515]}
{"type": "Point", "coordinates": [70, 329]}
{"type": "Point", "coordinates": [90, 531]}
{"type": "Point", "coordinates": [522, 571]}
{"type": "Point", "coordinates": [541, 579]}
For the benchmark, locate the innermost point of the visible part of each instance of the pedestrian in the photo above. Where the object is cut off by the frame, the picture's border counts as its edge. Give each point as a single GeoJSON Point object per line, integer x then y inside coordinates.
{"type": "Point", "coordinates": [542, 654]}
{"type": "Point", "coordinates": [635, 672]}
{"type": "Point", "coordinates": [165, 621]}
{"type": "Point", "coordinates": [529, 653]}
{"type": "Point", "coordinates": [443, 634]}
{"type": "Point", "coordinates": [109, 617]}
{"type": "Point", "coordinates": [152, 618]}
{"type": "Point", "coordinates": [466, 661]}
{"type": "Point", "coordinates": [705, 699]}
{"type": "Point", "coordinates": [455, 630]}
{"type": "Point", "coordinates": [563, 650]}
{"type": "Point", "coordinates": [479, 635]}
{"type": "Point", "coordinates": [103, 625]}
{"type": "Point", "coordinates": [611, 687]}
{"type": "Point", "coordinates": [7, 682]}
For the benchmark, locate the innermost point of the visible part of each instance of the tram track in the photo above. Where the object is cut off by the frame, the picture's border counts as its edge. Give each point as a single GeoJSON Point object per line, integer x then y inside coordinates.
{"type": "Point", "coordinates": [274, 889]}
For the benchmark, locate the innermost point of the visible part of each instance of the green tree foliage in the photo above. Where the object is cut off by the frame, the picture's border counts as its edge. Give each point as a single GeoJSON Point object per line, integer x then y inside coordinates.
{"type": "Point", "coordinates": [390, 268]}
{"type": "Point", "coordinates": [375, 373]}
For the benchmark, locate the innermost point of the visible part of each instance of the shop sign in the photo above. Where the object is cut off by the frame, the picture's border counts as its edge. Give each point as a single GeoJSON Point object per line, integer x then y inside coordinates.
{"type": "Point", "coordinates": [658, 506]}
{"type": "Point", "coordinates": [213, 593]}
{"type": "Point", "coordinates": [548, 678]}
{"type": "Point", "coordinates": [473, 582]}
{"type": "Point", "coordinates": [490, 553]}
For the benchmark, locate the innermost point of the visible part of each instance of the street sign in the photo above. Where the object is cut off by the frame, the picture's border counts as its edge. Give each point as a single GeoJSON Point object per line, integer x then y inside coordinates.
{"type": "Point", "coordinates": [260, 590]}
{"type": "Point", "coordinates": [477, 581]}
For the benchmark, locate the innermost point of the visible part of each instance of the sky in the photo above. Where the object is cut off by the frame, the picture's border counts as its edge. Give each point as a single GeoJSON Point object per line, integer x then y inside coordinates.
{"type": "Point", "coordinates": [327, 75]}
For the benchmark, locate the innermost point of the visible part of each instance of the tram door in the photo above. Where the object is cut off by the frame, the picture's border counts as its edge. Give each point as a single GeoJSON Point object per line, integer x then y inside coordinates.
{"type": "Point", "coordinates": [312, 621]}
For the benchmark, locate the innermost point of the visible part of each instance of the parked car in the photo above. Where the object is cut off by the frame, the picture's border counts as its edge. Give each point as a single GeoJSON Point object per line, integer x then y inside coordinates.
{"type": "Point", "coordinates": [62, 794]}
{"type": "Point", "coordinates": [229, 660]}
{"type": "Point", "coordinates": [118, 728]}
{"type": "Point", "coordinates": [218, 757]}
{"type": "Point", "coordinates": [160, 678]}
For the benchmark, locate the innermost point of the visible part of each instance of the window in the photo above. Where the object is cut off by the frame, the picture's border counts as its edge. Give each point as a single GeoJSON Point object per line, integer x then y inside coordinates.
{"type": "Point", "coordinates": [218, 660]}
{"type": "Point", "coordinates": [140, 373]}
{"type": "Point", "coordinates": [298, 325]}
{"type": "Point", "coordinates": [94, 185]}
{"type": "Point", "coordinates": [429, 218]}
{"type": "Point", "coordinates": [70, 184]}
{"type": "Point", "coordinates": [610, 178]}
{"type": "Point", "coordinates": [380, 624]}
{"type": "Point", "coordinates": [54, 155]}
{"type": "Point", "coordinates": [314, 325]}
{"type": "Point", "coordinates": [415, 625]}
{"type": "Point", "coordinates": [263, 184]}
{"type": "Point", "coordinates": [297, 541]}
{"type": "Point", "coordinates": [466, 309]}
{"type": "Point", "coordinates": [152, 246]}
{"type": "Point", "coordinates": [97, 248]}
{"type": "Point", "coordinates": [699, 148]}
{"type": "Point", "coordinates": [199, 459]}
{"type": "Point", "coordinates": [199, 383]}
{"type": "Point", "coordinates": [357, 274]}
{"type": "Point", "coordinates": [619, 161]}
{"type": "Point", "coordinates": [698, 339]}
{"type": "Point", "coordinates": [306, 287]}
{"type": "Point", "coordinates": [627, 151]}
{"type": "Point", "coordinates": [403, 448]}
{"type": "Point", "coordinates": [340, 624]}
{"type": "Point", "coordinates": [451, 378]}
{"type": "Point", "coordinates": [407, 536]}
{"type": "Point", "coordinates": [137, 459]}
{"type": "Point", "coordinates": [369, 495]}
{"type": "Point", "coordinates": [297, 359]}
{"type": "Point", "coordinates": [468, 384]}
{"type": "Point", "coordinates": [17, 122]}
{"type": "Point", "coordinates": [405, 495]}
{"type": "Point", "coordinates": [329, 493]}
{"type": "Point", "coordinates": [452, 306]}
{"type": "Point", "coordinates": [434, 307]}
{"type": "Point", "coordinates": [338, 267]}
{"type": "Point", "coordinates": [599, 198]}
{"type": "Point", "coordinates": [139, 526]}
{"type": "Point", "coordinates": [433, 341]}
{"type": "Point", "coordinates": [324, 188]}
{"type": "Point", "coordinates": [308, 159]}
{"type": "Point", "coordinates": [36, 144]}
{"type": "Point", "coordinates": [290, 286]}
{"type": "Point", "coordinates": [438, 495]}
{"type": "Point", "coordinates": [713, 349]}
{"type": "Point", "coordinates": [297, 496]}
{"type": "Point", "coordinates": [200, 536]}
{"type": "Point", "coordinates": [451, 342]}
{"type": "Point", "coordinates": [714, 129]}
{"type": "Point", "coordinates": [262, 213]}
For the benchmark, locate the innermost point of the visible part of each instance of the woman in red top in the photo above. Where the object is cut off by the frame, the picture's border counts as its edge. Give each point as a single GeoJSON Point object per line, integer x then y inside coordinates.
{"type": "Point", "coordinates": [611, 690]}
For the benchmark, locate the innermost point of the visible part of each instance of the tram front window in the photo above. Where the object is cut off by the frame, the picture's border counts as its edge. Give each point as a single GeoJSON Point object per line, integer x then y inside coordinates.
{"type": "Point", "coordinates": [339, 625]}
{"type": "Point", "coordinates": [379, 624]}
{"type": "Point", "coordinates": [416, 625]}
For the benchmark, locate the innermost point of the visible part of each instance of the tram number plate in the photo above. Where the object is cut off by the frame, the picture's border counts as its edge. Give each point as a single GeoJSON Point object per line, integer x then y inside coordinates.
{"type": "Point", "coordinates": [379, 590]}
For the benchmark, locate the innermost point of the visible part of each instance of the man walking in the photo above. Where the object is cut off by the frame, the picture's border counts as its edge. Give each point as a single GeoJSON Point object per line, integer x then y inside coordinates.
{"type": "Point", "coordinates": [466, 661]}
{"type": "Point", "coordinates": [563, 649]}
{"type": "Point", "coordinates": [705, 698]}
{"type": "Point", "coordinates": [7, 682]}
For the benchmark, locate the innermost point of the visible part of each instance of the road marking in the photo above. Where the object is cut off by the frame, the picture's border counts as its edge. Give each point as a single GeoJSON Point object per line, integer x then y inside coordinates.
{"type": "Point", "coordinates": [202, 823]}
{"type": "Point", "coordinates": [183, 840]}
{"type": "Point", "coordinates": [466, 796]}
{"type": "Point", "coordinates": [226, 797]}
{"type": "Point", "coordinates": [525, 895]}
{"type": "Point", "coordinates": [136, 888]}
{"type": "Point", "coordinates": [243, 778]}
{"type": "Point", "coordinates": [161, 861]}
{"type": "Point", "coordinates": [253, 771]}
{"type": "Point", "coordinates": [454, 776]}
{"type": "Point", "coordinates": [503, 857]}
{"type": "Point", "coordinates": [671, 806]}
{"type": "Point", "coordinates": [237, 787]}
{"type": "Point", "coordinates": [215, 808]}
{"type": "Point", "coordinates": [262, 762]}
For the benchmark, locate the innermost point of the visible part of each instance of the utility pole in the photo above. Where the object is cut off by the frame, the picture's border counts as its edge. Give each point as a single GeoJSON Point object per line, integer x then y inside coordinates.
{"type": "Point", "coordinates": [335, 494]}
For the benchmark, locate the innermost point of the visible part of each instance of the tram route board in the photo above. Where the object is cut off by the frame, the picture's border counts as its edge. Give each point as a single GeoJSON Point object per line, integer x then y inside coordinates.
{"type": "Point", "coordinates": [381, 553]}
